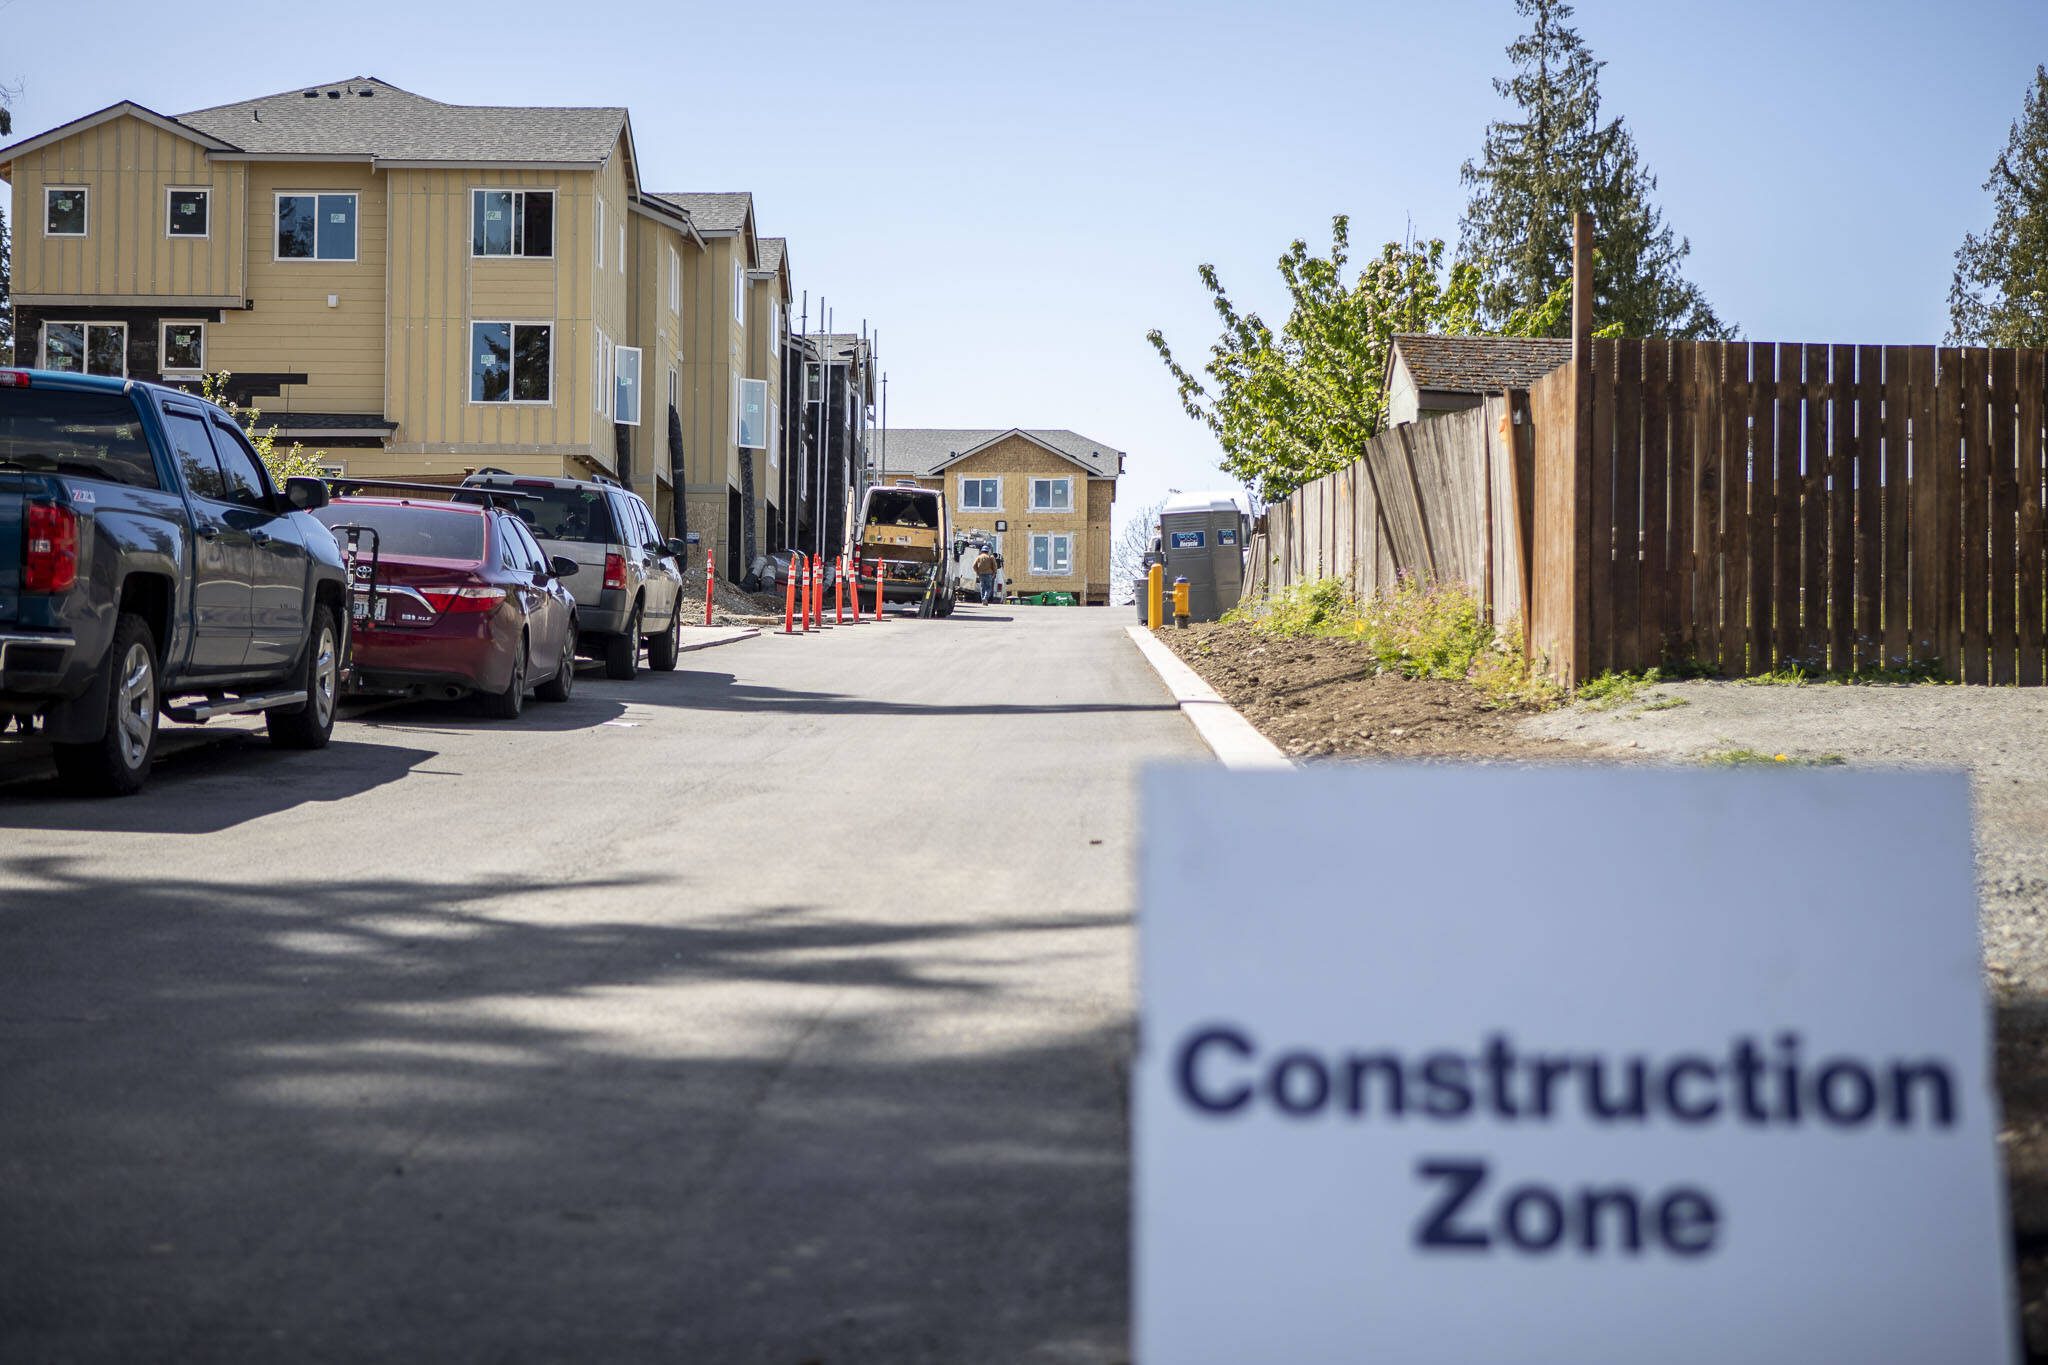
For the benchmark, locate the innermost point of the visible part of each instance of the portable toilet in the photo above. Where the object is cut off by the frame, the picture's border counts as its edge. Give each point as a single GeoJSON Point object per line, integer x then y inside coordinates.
{"type": "Point", "coordinates": [1201, 539]}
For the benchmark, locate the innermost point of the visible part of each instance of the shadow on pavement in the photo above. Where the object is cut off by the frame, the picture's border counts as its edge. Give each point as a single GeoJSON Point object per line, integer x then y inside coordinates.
{"type": "Point", "coordinates": [203, 782]}
{"type": "Point", "coordinates": [705, 691]}
{"type": "Point", "coordinates": [400, 1120]}
{"type": "Point", "coordinates": [580, 712]}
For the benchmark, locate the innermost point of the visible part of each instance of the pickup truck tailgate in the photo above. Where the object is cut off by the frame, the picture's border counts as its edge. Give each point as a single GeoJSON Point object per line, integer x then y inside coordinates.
{"type": "Point", "coordinates": [15, 491]}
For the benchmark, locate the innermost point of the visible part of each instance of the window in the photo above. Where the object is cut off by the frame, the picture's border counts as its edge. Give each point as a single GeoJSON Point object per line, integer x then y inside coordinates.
{"type": "Point", "coordinates": [416, 530]}
{"type": "Point", "coordinates": [64, 213]}
{"type": "Point", "coordinates": [576, 514]}
{"type": "Point", "coordinates": [247, 484]}
{"type": "Point", "coordinates": [600, 377]}
{"type": "Point", "coordinates": [675, 281]}
{"type": "Point", "coordinates": [622, 248]}
{"type": "Point", "coordinates": [1052, 495]}
{"type": "Point", "coordinates": [752, 412]}
{"type": "Point", "coordinates": [510, 362]}
{"type": "Point", "coordinates": [626, 387]}
{"type": "Point", "coordinates": [185, 212]}
{"type": "Point", "coordinates": [774, 434]}
{"type": "Point", "coordinates": [675, 390]}
{"type": "Point", "coordinates": [86, 347]}
{"type": "Point", "coordinates": [981, 495]}
{"type": "Point", "coordinates": [774, 324]}
{"type": "Point", "coordinates": [1052, 554]}
{"type": "Point", "coordinates": [512, 222]}
{"type": "Point", "coordinates": [184, 348]}
{"type": "Point", "coordinates": [194, 454]}
{"type": "Point", "coordinates": [739, 290]}
{"type": "Point", "coordinates": [316, 227]}
{"type": "Point", "coordinates": [97, 435]}
{"type": "Point", "coordinates": [600, 234]}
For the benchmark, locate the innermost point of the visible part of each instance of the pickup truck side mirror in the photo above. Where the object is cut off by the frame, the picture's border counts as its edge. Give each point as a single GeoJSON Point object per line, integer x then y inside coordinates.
{"type": "Point", "coordinates": [561, 566]}
{"type": "Point", "coordinates": [304, 494]}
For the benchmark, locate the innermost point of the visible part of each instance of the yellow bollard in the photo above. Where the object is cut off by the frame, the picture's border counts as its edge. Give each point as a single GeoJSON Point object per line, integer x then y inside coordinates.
{"type": "Point", "coordinates": [1180, 603]}
{"type": "Point", "coordinates": [1155, 594]}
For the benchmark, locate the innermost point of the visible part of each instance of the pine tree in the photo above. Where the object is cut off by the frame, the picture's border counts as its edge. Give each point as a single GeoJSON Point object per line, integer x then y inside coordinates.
{"type": "Point", "coordinates": [1560, 157]}
{"type": "Point", "coordinates": [1999, 296]}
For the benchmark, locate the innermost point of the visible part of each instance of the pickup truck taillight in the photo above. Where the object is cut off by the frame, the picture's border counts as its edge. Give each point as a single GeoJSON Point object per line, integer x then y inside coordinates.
{"type": "Point", "coordinates": [49, 549]}
{"type": "Point", "coordinates": [615, 571]}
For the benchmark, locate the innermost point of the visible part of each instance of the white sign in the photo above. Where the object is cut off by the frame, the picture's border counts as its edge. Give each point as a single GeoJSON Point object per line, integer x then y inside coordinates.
{"type": "Point", "coordinates": [1464, 1064]}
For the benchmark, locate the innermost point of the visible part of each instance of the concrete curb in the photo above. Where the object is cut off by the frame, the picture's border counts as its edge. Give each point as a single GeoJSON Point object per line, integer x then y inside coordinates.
{"type": "Point", "coordinates": [1229, 735]}
{"type": "Point", "coordinates": [727, 635]}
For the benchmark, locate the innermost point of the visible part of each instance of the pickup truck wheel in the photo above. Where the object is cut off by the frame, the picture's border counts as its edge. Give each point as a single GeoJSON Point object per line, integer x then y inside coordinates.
{"type": "Point", "coordinates": [508, 704]}
{"type": "Point", "coordinates": [622, 651]}
{"type": "Point", "coordinates": [311, 724]}
{"type": "Point", "coordinates": [563, 683]}
{"type": "Point", "coordinates": [117, 763]}
{"type": "Point", "coordinates": [663, 649]}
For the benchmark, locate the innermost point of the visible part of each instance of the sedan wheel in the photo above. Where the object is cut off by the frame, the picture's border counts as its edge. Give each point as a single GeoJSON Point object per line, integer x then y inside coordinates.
{"type": "Point", "coordinates": [563, 683]}
{"type": "Point", "coordinates": [508, 704]}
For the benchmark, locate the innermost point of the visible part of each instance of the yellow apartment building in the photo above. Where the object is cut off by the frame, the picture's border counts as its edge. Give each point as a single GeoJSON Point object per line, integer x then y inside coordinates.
{"type": "Point", "coordinates": [417, 289]}
{"type": "Point", "coordinates": [1043, 496]}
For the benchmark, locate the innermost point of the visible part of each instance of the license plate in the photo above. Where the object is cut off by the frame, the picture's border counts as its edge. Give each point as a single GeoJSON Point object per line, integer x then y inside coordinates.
{"type": "Point", "coordinates": [364, 612]}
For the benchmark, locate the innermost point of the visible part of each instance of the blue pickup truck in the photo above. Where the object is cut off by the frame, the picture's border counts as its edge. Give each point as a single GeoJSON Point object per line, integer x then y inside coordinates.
{"type": "Point", "coordinates": [150, 569]}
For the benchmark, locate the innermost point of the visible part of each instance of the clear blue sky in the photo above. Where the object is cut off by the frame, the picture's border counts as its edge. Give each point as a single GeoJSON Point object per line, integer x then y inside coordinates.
{"type": "Point", "coordinates": [1014, 194]}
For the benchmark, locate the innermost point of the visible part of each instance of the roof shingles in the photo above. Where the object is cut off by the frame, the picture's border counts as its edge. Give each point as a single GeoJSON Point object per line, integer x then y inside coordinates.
{"type": "Point", "coordinates": [1478, 364]}
{"type": "Point", "coordinates": [925, 450]}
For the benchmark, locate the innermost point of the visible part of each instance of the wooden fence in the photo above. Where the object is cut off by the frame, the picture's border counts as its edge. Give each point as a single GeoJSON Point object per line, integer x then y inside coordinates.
{"type": "Point", "coordinates": [1434, 500]}
{"type": "Point", "coordinates": [1755, 505]}
{"type": "Point", "coordinates": [1745, 506]}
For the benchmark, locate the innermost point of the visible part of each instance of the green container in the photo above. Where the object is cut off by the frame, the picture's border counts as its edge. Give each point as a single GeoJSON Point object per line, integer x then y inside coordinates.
{"type": "Point", "coordinates": [1050, 599]}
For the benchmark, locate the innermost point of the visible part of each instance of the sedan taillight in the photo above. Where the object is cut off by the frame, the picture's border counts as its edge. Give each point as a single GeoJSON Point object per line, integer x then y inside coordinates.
{"type": "Point", "coordinates": [460, 601]}
{"type": "Point", "coordinates": [50, 548]}
{"type": "Point", "coordinates": [615, 571]}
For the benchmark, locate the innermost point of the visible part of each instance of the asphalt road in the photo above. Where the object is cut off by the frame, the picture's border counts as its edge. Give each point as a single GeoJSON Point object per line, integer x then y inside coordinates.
{"type": "Point", "coordinates": [777, 1009]}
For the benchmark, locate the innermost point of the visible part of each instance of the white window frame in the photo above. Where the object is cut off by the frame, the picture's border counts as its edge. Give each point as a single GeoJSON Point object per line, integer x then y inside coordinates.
{"type": "Point", "coordinates": [675, 390]}
{"type": "Point", "coordinates": [315, 195]}
{"type": "Point", "coordinates": [518, 193]}
{"type": "Point", "coordinates": [597, 388]}
{"type": "Point", "coordinates": [618, 374]}
{"type": "Point", "coordinates": [1036, 506]}
{"type": "Point", "coordinates": [774, 325]}
{"type": "Point", "coordinates": [43, 341]}
{"type": "Point", "coordinates": [600, 233]}
{"type": "Point", "coordinates": [512, 358]}
{"type": "Point", "coordinates": [961, 489]}
{"type": "Point", "coordinates": [205, 192]}
{"type": "Point", "coordinates": [675, 281]}
{"type": "Point", "coordinates": [739, 289]}
{"type": "Point", "coordinates": [774, 433]}
{"type": "Point", "coordinates": [163, 328]}
{"type": "Point", "coordinates": [622, 248]}
{"type": "Point", "coordinates": [739, 390]}
{"type": "Point", "coordinates": [1049, 571]}
{"type": "Point", "coordinates": [83, 190]}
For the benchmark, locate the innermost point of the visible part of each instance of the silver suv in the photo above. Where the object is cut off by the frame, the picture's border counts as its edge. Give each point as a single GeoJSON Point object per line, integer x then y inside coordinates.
{"type": "Point", "coordinates": [631, 587]}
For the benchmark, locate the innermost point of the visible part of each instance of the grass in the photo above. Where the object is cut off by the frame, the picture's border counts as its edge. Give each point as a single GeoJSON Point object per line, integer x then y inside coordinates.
{"type": "Point", "coordinates": [1419, 630]}
{"type": "Point", "coordinates": [1738, 758]}
{"type": "Point", "coordinates": [1612, 689]}
{"type": "Point", "coordinates": [1667, 704]}
{"type": "Point", "coordinates": [1796, 675]}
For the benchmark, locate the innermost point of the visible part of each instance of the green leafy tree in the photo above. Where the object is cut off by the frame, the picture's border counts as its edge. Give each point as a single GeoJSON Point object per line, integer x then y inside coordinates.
{"type": "Point", "coordinates": [1292, 405]}
{"type": "Point", "coordinates": [1558, 158]}
{"type": "Point", "coordinates": [291, 462]}
{"type": "Point", "coordinates": [1999, 296]}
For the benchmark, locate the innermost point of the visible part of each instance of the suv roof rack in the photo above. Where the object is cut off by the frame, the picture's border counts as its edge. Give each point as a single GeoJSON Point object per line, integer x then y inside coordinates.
{"type": "Point", "coordinates": [605, 478]}
{"type": "Point", "coordinates": [490, 469]}
{"type": "Point", "coordinates": [346, 485]}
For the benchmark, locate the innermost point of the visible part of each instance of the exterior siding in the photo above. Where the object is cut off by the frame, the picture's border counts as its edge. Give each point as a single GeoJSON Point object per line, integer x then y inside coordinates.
{"type": "Point", "coordinates": [1016, 461]}
{"type": "Point", "coordinates": [126, 166]}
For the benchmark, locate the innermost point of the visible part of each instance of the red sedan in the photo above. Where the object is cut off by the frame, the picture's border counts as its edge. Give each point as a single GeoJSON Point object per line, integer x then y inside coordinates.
{"type": "Point", "coordinates": [466, 603]}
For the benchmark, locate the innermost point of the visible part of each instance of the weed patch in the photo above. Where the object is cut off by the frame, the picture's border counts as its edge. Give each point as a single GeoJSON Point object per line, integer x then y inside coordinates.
{"type": "Point", "coordinates": [1738, 758]}
{"type": "Point", "coordinates": [1871, 675]}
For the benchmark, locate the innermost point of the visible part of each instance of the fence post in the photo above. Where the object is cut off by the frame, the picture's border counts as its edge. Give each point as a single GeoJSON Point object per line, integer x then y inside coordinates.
{"type": "Point", "coordinates": [1581, 503]}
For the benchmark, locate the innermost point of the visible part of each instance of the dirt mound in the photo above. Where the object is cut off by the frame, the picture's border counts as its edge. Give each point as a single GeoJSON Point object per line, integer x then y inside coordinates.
{"type": "Point", "coordinates": [1319, 698]}
{"type": "Point", "coordinates": [729, 606]}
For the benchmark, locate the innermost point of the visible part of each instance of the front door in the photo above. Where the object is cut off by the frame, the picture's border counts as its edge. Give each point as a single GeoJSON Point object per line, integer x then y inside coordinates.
{"type": "Point", "coordinates": [221, 551]}
{"type": "Point", "coordinates": [277, 583]}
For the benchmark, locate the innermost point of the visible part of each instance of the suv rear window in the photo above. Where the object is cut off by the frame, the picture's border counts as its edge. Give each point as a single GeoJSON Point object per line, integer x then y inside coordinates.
{"type": "Point", "coordinates": [551, 513]}
{"type": "Point", "coordinates": [414, 532]}
{"type": "Point", "coordinates": [93, 435]}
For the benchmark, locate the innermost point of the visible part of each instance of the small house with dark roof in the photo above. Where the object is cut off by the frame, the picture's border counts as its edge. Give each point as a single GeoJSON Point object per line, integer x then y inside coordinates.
{"type": "Point", "coordinates": [1429, 374]}
{"type": "Point", "coordinates": [1043, 495]}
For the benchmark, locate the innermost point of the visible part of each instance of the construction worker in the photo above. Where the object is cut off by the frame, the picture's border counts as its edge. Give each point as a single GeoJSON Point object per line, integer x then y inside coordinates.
{"type": "Point", "coordinates": [985, 574]}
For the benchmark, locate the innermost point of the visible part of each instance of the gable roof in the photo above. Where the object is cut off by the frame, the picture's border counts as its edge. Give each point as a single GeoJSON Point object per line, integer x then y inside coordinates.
{"type": "Point", "coordinates": [1477, 364]}
{"type": "Point", "coordinates": [773, 249]}
{"type": "Point", "coordinates": [373, 119]}
{"type": "Point", "coordinates": [927, 450]}
{"type": "Point", "coordinates": [124, 108]}
{"type": "Point", "coordinates": [722, 212]}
